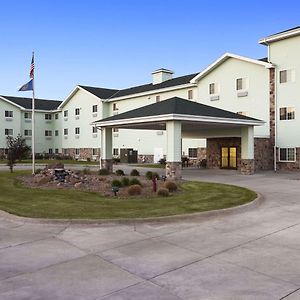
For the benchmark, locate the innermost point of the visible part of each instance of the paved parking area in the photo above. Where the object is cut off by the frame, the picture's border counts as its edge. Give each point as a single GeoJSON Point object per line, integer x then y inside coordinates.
{"type": "Point", "coordinates": [247, 255]}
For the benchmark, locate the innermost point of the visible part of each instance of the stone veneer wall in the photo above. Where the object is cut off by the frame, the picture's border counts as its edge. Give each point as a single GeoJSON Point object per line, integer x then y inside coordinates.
{"type": "Point", "coordinates": [263, 154]}
{"type": "Point", "coordinates": [85, 153]}
{"type": "Point", "coordinates": [148, 158]}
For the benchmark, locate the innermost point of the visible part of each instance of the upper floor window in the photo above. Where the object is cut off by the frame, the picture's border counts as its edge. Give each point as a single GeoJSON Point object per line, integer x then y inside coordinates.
{"type": "Point", "coordinates": [193, 152]}
{"type": "Point", "coordinates": [157, 98]}
{"type": "Point", "coordinates": [77, 130]}
{"type": "Point", "coordinates": [94, 128]}
{"type": "Point", "coordinates": [115, 129]}
{"type": "Point", "coordinates": [287, 113]}
{"type": "Point", "coordinates": [48, 132]}
{"type": "Point", "coordinates": [77, 111]}
{"type": "Point", "coordinates": [56, 132]}
{"type": "Point", "coordinates": [65, 113]}
{"type": "Point", "coordinates": [27, 115]}
{"type": "Point", "coordinates": [286, 76]}
{"type": "Point", "coordinates": [56, 116]}
{"type": "Point", "coordinates": [115, 106]}
{"type": "Point", "coordinates": [9, 131]}
{"type": "Point", "coordinates": [9, 114]}
{"type": "Point", "coordinates": [190, 94]}
{"type": "Point", "coordinates": [95, 108]}
{"type": "Point", "coordinates": [48, 117]}
{"type": "Point", "coordinates": [27, 132]}
{"type": "Point", "coordinates": [66, 131]}
{"type": "Point", "coordinates": [287, 154]}
{"type": "Point", "coordinates": [213, 88]}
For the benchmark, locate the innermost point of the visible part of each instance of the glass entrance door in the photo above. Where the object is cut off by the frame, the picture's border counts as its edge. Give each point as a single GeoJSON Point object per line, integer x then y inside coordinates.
{"type": "Point", "coordinates": [228, 158]}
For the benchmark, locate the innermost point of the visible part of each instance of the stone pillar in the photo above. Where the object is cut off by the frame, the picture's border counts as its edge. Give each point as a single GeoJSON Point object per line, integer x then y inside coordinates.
{"type": "Point", "coordinates": [173, 165]}
{"type": "Point", "coordinates": [106, 149]}
{"type": "Point", "coordinates": [247, 155]}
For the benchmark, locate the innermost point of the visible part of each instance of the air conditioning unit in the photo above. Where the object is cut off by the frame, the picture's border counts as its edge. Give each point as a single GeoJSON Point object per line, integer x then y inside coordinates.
{"type": "Point", "coordinates": [95, 135]}
{"type": "Point", "coordinates": [77, 118]}
{"type": "Point", "coordinates": [77, 136]}
{"type": "Point", "coordinates": [215, 98]}
{"type": "Point", "coordinates": [95, 115]}
{"type": "Point", "coordinates": [242, 94]}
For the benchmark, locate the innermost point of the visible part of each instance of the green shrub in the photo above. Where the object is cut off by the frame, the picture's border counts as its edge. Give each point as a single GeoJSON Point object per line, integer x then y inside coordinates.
{"type": "Point", "coordinates": [116, 183]}
{"type": "Point", "coordinates": [38, 171]}
{"type": "Point", "coordinates": [120, 172]}
{"type": "Point", "coordinates": [134, 190]}
{"type": "Point", "coordinates": [163, 192]}
{"type": "Point", "coordinates": [134, 181]}
{"type": "Point", "coordinates": [86, 171]}
{"type": "Point", "coordinates": [125, 181]}
{"type": "Point", "coordinates": [149, 175]}
{"type": "Point", "coordinates": [103, 172]}
{"type": "Point", "coordinates": [171, 186]}
{"type": "Point", "coordinates": [134, 172]}
{"type": "Point", "coordinates": [156, 175]}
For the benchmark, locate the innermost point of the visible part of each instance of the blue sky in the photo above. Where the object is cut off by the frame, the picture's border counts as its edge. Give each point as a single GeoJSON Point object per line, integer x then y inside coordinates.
{"type": "Point", "coordinates": [117, 44]}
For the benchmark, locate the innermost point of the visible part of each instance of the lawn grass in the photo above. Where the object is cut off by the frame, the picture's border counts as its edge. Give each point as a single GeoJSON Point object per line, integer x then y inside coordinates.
{"type": "Point", "coordinates": [17, 199]}
{"type": "Point", "coordinates": [154, 166]}
{"type": "Point", "coordinates": [53, 161]}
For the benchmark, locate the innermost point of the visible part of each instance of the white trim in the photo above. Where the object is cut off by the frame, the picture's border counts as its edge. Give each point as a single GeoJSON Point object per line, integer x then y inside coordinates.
{"type": "Point", "coordinates": [287, 161]}
{"type": "Point", "coordinates": [177, 117]}
{"type": "Point", "coordinates": [279, 36]}
{"type": "Point", "coordinates": [222, 59]}
{"type": "Point", "coordinates": [12, 103]}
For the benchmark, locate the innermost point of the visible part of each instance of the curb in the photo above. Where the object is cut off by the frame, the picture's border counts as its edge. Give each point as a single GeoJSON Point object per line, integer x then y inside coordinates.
{"type": "Point", "coordinates": [199, 216]}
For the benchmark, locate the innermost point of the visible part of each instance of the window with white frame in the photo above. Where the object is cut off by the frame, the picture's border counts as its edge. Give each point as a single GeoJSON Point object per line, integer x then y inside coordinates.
{"type": "Point", "coordinates": [115, 107]}
{"type": "Point", "coordinates": [241, 84]}
{"type": "Point", "coordinates": [65, 151]}
{"type": "Point", "coordinates": [115, 151]}
{"type": "Point", "coordinates": [56, 151]}
{"type": "Point", "coordinates": [27, 132]}
{"type": "Point", "coordinates": [66, 131]}
{"type": "Point", "coordinates": [115, 129]}
{"type": "Point", "coordinates": [27, 115]}
{"type": "Point", "coordinates": [9, 131]}
{"type": "Point", "coordinates": [77, 151]}
{"type": "Point", "coordinates": [95, 108]}
{"type": "Point", "coordinates": [56, 132]}
{"type": "Point", "coordinates": [287, 154]}
{"type": "Point", "coordinates": [213, 88]}
{"type": "Point", "coordinates": [77, 111]}
{"type": "Point", "coordinates": [66, 113]}
{"type": "Point", "coordinates": [192, 152]}
{"type": "Point", "coordinates": [286, 76]}
{"type": "Point", "coordinates": [157, 98]}
{"type": "Point", "coordinates": [77, 130]}
{"type": "Point", "coordinates": [190, 94]}
{"type": "Point", "coordinates": [48, 132]}
{"type": "Point", "coordinates": [287, 113]}
{"type": "Point", "coordinates": [95, 151]}
{"type": "Point", "coordinates": [50, 151]}
{"type": "Point", "coordinates": [94, 129]}
{"type": "Point", "coordinates": [48, 117]}
{"type": "Point", "coordinates": [56, 116]}
{"type": "Point", "coordinates": [9, 114]}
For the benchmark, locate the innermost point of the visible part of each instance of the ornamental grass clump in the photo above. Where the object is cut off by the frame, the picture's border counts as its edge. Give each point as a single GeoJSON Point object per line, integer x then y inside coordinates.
{"type": "Point", "coordinates": [171, 186]}
{"type": "Point", "coordinates": [134, 190]}
{"type": "Point", "coordinates": [163, 192]}
{"type": "Point", "coordinates": [134, 172]}
{"type": "Point", "coordinates": [120, 172]}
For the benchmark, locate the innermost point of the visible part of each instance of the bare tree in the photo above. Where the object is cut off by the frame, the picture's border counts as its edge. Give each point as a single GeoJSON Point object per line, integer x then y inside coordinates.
{"type": "Point", "coordinates": [17, 149]}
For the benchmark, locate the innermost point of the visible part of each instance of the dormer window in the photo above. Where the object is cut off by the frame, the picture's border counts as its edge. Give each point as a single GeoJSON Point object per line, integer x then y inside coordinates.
{"type": "Point", "coordinates": [157, 98]}
{"type": "Point", "coordinates": [212, 88]}
{"type": "Point", "coordinates": [190, 94]}
{"type": "Point", "coordinates": [115, 106]}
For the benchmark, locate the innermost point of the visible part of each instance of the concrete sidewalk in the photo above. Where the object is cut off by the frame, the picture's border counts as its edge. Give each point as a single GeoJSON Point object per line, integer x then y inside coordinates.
{"type": "Point", "coordinates": [249, 255]}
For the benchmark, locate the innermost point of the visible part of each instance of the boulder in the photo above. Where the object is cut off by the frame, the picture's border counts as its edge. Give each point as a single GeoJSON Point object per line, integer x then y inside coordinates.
{"type": "Point", "coordinates": [41, 180]}
{"type": "Point", "coordinates": [78, 185]}
{"type": "Point", "coordinates": [55, 166]}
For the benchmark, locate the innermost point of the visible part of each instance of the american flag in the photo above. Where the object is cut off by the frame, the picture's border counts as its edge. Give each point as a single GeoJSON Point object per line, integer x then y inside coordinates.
{"type": "Point", "coordinates": [31, 73]}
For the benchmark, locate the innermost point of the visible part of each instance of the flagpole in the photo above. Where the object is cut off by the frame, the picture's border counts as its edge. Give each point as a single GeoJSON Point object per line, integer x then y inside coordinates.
{"type": "Point", "coordinates": [33, 126]}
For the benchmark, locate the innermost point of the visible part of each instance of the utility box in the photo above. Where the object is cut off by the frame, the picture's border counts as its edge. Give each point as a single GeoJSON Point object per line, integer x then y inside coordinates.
{"type": "Point", "coordinates": [128, 156]}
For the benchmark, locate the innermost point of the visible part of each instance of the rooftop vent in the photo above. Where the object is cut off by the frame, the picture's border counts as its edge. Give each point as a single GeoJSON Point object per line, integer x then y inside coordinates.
{"type": "Point", "coordinates": [161, 75]}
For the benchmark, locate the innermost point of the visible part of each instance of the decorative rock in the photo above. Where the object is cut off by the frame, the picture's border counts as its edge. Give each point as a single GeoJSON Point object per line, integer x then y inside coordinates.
{"type": "Point", "coordinates": [78, 185]}
{"type": "Point", "coordinates": [55, 166]}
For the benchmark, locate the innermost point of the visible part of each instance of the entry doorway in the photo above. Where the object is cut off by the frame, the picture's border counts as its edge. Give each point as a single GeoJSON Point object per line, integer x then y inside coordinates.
{"type": "Point", "coordinates": [228, 157]}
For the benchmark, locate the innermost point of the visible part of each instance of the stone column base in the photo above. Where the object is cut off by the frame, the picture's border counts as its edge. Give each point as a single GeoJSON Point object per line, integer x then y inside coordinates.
{"type": "Point", "coordinates": [173, 170]}
{"type": "Point", "coordinates": [107, 164]}
{"type": "Point", "coordinates": [247, 166]}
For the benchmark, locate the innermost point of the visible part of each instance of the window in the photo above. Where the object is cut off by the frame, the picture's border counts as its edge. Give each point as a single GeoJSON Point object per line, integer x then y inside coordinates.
{"type": "Point", "coordinates": [286, 76]}
{"type": "Point", "coordinates": [115, 129]}
{"type": "Point", "coordinates": [48, 133]}
{"type": "Point", "coordinates": [115, 106]}
{"type": "Point", "coordinates": [287, 113]}
{"type": "Point", "coordinates": [212, 88]}
{"type": "Point", "coordinates": [65, 151]}
{"type": "Point", "coordinates": [115, 151]}
{"type": "Point", "coordinates": [50, 151]}
{"type": "Point", "coordinates": [94, 151]}
{"type": "Point", "coordinates": [77, 111]}
{"type": "Point", "coordinates": [95, 108]}
{"type": "Point", "coordinates": [287, 154]}
{"type": "Point", "coordinates": [48, 117]}
{"type": "Point", "coordinates": [66, 131]}
{"type": "Point", "coordinates": [192, 152]}
{"type": "Point", "coordinates": [56, 132]}
{"type": "Point", "coordinates": [65, 113]}
{"type": "Point", "coordinates": [190, 94]}
{"type": "Point", "coordinates": [56, 151]}
{"type": "Point", "coordinates": [56, 118]}
{"type": "Point", "coordinates": [27, 115]}
{"type": "Point", "coordinates": [157, 98]}
{"type": "Point", "coordinates": [94, 129]}
{"type": "Point", "coordinates": [77, 151]}
{"type": "Point", "coordinates": [27, 132]}
{"type": "Point", "coordinates": [240, 85]}
{"type": "Point", "coordinates": [9, 114]}
{"type": "Point", "coordinates": [77, 130]}
{"type": "Point", "coordinates": [9, 131]}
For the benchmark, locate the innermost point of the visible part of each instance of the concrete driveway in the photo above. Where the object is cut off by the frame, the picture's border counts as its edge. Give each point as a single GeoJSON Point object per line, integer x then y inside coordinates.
{"type": "Point", "coordinates": [247, 255]}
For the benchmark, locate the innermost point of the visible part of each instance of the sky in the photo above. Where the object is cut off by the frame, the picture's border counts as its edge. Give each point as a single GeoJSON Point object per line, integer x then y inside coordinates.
{"type": "Point", "coordinates": [117, 44]}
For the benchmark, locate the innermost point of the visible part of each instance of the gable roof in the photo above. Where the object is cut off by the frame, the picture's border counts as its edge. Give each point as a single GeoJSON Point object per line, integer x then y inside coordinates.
{"type": "Point", "coordinates": [177, 106]}
{"type": "Point", "coordinates": [280, 35]}
{"type": "Point", "coordinates": [40, 104]}
{"type": "Point", "coordinates": [223, 58]}
{"type": "Point", "coordinates": [102, 93]}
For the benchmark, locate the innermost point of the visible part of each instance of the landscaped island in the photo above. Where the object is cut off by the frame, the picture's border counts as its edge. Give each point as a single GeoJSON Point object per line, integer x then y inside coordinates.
{"type": "Point", "coordinates": [71, 203]}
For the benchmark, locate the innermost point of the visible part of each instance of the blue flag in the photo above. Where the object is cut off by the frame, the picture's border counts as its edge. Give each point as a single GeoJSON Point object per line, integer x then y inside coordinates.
{"type": "Point", "coordinates": [27, 86]}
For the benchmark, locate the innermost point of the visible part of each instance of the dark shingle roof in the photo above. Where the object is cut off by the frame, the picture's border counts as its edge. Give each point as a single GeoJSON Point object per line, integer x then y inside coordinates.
{"type": "Point", "coordinates": [100, 92]}
{"type": "Point", "coordinates": [264, 59]}
{"type": "Point", "coordinates": [180, 106]}
{"type": "Point", "coordinates": [111, 93]}
{"type": "Point", "coordinates": [287, 30]}
{"type": "Point", "coordinates": [41, 104]}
